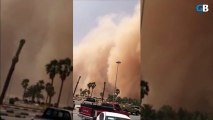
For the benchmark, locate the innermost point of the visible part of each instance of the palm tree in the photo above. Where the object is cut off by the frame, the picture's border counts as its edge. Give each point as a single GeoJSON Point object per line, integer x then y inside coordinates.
{"type": "Point", "coordinates": [25, 84]}
{"type": "Point", "coordinates": [52, 70]}
{"type": "Point", "coordinates": [39, 96]}
{"type": "Point", "coordinates": [31, 92]}
{"type": "Point", "coordinates": [117, 92]}
{"type": "Point", "coordinates": [40, 84]}
{"type": "Point", "coordinates": [84, 92]}
{"type": "Point", "coordinates": [101, 94]}
{"type": "Point", "coordinates": [93, 86]}
{"type": "Point", "coordinates": [39, 87]}
{"type": "Point", "coordinates": [89, 85]}
{"type": "Point", "coordinates": [35, 91]}
{"type": "Point", "coordinates": [144, 89]}
{"type": "Point", "coordinates": [50, 91]}
{"type": "Point", "coordinates": [65, 68]}
{"type": "Point", "coordinates": [81, 91]}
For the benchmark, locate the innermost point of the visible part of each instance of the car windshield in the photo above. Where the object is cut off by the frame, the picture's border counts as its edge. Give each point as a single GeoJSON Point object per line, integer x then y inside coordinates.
{"type": "Point", "coordinates": [107, 105]}
{"type": "Point", "coordinates": [90, 99]}
{"type": "Point", "coordinates": [115, 118]}
{"type": "Point", "coordinates": [136, 107]}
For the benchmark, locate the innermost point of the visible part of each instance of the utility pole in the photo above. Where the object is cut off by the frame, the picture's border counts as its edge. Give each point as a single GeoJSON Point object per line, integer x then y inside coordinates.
{"type": "Point", "coordinates": [76, 85]}
{"type": "Point", "coordinates": [10, 73]}
{"type": "Point", "coordinates": [118, 62]}
{"type": "Point", "coordinates": [102, 97]}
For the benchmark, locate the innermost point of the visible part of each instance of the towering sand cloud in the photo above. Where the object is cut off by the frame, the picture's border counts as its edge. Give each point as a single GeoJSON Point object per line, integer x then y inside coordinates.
{"type": "Point", "coordinates": [116, 37]}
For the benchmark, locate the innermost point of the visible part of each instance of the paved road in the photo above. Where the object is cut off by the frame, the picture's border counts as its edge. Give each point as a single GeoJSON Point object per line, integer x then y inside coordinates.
{"type": "Point", "coordinates": [17, 114]}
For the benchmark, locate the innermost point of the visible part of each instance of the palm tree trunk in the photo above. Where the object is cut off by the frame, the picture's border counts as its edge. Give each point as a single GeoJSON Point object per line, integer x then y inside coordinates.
{"type": "Point", "coordinates": [33, 98]}
{"type": "Point", "coordinates": [10, 73]}
{"type": "Point", "coordinates": [52, 81]}
{"type": "Point", "coordinates": [91, 92]}
{"type": "Point", "coordinates": [59, 97]}
{"type": "Point", "coordinates": [50, 98]}
{"type": "Point", "coordinates": [24, 94]}
{"type": "Point", "coordinates": [47, 99]}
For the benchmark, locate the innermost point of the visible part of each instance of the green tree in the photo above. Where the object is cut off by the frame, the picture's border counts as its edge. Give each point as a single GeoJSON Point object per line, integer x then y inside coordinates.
{"type": "Point", "coordinates": [166, 112]}
{"type": "Point", "coordinates": [136, 102]}
{"type": "Point", "coordinates": [25, 84]}
{"type": "Point", "coordinates": [148, 113]}
{"type": "Point", "coordinates": [35, 91]}
{"type": "Point", "coordinates": [183, 114]}
{"type": "Point", "coordinates": [144, 89]}
{"type": "Point", "coordinates": [110, 98]}
{"type": "Point", "coordinates": [93, 87]}
{"type": "Point", "coordinates": [199, 116]}
{"type": "Point", "coordinates": [40, 86]}
{"type": "Point", "coordinates": [65, 68]}
{"type": "Point", "coordinates": [50, 91]}
{"type": "Point", "coordinates": [31, 92]}
{"type": "Point", "coordinates": [119, 99]}
{"type": "Point", "coordinates": [125, 100]}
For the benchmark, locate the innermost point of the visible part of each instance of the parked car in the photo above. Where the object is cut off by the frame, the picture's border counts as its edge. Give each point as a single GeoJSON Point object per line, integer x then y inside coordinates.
{"type": "Point", "coordinates": [90, 101]}
{"type": "Point", "coordinates": [91, 111]}
{"type": "Point", "coordinates": [112, 116]}
{"type": "Point", "coordinates": [55, 114]}
{"type": "Point", "coordinates": [132, 109]}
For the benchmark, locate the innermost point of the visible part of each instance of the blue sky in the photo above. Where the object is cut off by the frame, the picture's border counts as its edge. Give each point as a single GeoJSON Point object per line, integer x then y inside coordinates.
{"type": "Point", "coordinates": [87, 12]}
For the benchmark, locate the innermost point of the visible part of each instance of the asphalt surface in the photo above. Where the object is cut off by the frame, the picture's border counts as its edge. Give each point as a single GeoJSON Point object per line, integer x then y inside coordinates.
{"type": "Point", "coordinates": [15, 113]}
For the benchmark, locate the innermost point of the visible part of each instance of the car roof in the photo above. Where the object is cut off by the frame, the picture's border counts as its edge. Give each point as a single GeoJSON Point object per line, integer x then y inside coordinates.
{"type": "Point", "coordinates": [116, 114]}
{"type": "Point", "coordinates": [60, 109]}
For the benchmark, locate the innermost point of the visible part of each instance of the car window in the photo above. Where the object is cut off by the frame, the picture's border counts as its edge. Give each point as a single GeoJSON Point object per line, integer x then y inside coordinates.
{"type": "Point", "coordinates": [55, 114]}
{"type": "Point", "coordinates": [60, 114]}
{"type": "Point", "coordinates": [67, 116]}
{"type": "Point", "coordinates": [48, 112]}
{"type": "Point", "coordinates": [115, 118]}
{"type": "Point", "coordinates": [107, 105]}
{"type": "Point", "coordinates": [101, 117]}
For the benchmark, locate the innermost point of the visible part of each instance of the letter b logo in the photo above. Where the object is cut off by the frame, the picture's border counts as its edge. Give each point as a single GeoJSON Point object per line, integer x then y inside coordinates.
{"type": "Point", "coordinates": [205, 8]}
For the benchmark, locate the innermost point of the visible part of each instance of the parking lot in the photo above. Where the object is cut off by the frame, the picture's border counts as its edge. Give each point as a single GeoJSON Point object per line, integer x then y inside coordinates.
{"type": "Point", "coordinates": [19, 113]}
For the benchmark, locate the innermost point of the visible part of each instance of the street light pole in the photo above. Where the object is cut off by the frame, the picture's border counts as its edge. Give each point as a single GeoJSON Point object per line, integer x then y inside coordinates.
{"type": "Point", "coordinates": [118, 62]}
